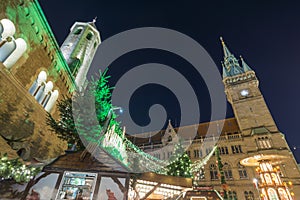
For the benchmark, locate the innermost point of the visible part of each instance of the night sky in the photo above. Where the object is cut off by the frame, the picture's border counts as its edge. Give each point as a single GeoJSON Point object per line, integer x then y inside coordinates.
{"type": "Point", "coordinates": [266, 33]}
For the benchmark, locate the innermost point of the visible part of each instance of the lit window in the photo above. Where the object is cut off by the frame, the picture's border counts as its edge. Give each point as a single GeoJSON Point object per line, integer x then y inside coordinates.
{"type": "Point", "coordinates": [263, 143]}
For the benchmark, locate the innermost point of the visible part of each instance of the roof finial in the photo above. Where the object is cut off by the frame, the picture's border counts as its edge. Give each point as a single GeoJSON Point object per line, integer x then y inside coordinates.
{"type": "Point", "coordinates": [95, 19]}
{"type": "Point", "coordinates": [221, 38]}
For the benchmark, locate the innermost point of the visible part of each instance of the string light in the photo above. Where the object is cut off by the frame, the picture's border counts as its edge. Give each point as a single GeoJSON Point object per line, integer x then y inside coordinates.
{"type": "Point", "coordinates": [16, 170]}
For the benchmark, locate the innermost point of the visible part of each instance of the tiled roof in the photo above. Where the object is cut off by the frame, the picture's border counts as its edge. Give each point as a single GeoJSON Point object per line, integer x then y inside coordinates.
{"type": "Point", "coordinates": [230, 126]}
{"type": "Point", "coordinates": [73, 161]}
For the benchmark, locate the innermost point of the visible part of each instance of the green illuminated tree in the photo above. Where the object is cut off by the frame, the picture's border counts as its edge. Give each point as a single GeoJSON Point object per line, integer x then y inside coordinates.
{"type": "Point", "coordinates": [222, 176]}
{"type": "Point", "coordinates": [181, 163]}
{"type": "Point", "coordinates": [65, 126]}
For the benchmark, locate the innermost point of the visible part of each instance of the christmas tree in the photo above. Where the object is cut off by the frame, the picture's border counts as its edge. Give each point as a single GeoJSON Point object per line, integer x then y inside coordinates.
{"type": "Point", "coordinates": [220, 167]}
{"type": "Point", "coordinates": [180, 163]}
{"type": "Point", "coordinates": [65, 126]}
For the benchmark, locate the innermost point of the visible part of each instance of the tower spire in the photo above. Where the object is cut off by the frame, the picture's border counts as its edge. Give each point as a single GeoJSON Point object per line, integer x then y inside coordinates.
{"type": "Point", "coordinates": [245, 66]}
{"type": "Point", "coordinates": [232, 66]}
{"type": "Point", "coordinates": [226, 51]}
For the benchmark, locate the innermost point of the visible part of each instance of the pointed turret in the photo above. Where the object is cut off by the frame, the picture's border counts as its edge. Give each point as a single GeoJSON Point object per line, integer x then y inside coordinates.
{"type": "Point", "coordinates": [224, 70]}
{"type": "Point", "coordinates": [226, 51]}
{"type": "Point", "coordinates": [232, 66]}
{"type": "Point", "coordinates": [245, 66]}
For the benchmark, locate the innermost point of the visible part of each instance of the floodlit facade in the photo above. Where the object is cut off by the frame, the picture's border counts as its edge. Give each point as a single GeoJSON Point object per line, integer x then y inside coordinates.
{"type": "Point", "coordinates": [245, 141]}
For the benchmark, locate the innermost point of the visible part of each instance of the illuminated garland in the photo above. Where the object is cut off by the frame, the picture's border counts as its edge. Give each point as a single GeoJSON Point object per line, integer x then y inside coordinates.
{"type": "Point", "coordinates": [16, 170]}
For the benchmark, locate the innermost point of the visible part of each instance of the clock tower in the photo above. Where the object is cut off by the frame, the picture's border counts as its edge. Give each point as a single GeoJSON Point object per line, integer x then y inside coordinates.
{"type": "Point", "coordinates": [242, 91]}
{"type": "Point", "coordinates": [79, 49]}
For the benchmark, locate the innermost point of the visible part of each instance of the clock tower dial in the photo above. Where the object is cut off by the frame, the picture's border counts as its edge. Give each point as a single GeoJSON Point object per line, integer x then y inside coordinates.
{"type": "Point", "coordinates": [244, 92]}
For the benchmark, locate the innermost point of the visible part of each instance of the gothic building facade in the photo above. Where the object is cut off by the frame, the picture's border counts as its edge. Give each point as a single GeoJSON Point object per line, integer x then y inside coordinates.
{"type": "Point", "coordinates": [35, 73]}
{"type": "Point", "coordinates": [250, 144]}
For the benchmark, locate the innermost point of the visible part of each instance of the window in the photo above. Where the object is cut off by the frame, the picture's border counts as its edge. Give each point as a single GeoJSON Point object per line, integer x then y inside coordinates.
{"type": "Point", "coordinates": [232, 195]}
{"type": "Point", "coordinates": [249, 195]}
{"type": "Point", "coordinates": [74, 183]}
{"type": "Point", "coordinates": [227, 171]}
{"type": "Point", "coordinates": [223, 150]}
{"type": "Point", "coordinates": [236, 149]}
{"type": "Point", "coordinates": [77, 31]}
{"type": "Point", "coordinates": [263, 143]}
{"type": "Point", "coordinates": [196, 153]}
{"type": "Point", "coordinates": [272, 194]}
{"type": "Point", "coordinates": [242, 172]}
{"type": "Point", "coordinates": [213, 172]}
{"type": "Point", "coordinates": [89, 36]}
{"type": "Point", "coordinates": [208, 150]}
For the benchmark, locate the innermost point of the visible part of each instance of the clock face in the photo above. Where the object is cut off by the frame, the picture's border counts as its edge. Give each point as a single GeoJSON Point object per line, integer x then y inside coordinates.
{"type": "Point", "coordinates": [245, 92]}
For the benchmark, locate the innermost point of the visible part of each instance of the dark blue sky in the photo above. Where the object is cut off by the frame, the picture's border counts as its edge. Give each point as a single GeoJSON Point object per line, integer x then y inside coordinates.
{"type": "Point", "coordinates": [266, 33]}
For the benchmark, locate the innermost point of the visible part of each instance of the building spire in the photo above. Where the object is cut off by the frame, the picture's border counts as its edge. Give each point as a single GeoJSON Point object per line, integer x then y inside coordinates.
{"type": "Point", "coordinates": [225, 49]}
{"type": "Point", "coordinates": [231, 64]}
{"type": "Point", "coordinates": [224, 70]}
{"type": "Point", "coordinates": [245, 66]}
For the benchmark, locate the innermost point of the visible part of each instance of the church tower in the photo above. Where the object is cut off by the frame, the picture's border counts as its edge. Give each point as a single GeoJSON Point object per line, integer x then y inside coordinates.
{"type": "Point", "coordinates": [79, 49]}
{"type": "Point", "coordinates": [242, 91]}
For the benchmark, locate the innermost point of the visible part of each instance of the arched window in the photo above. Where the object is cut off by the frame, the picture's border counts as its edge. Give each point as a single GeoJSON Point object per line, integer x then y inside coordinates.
{"type": "Point", "coordinates": [9, 45]}
{"type": "Point", "coordinates": [37, 85]}
{"type": "Point", "coordinates": [51, 101]}
{"type": "Point", "coordinates": [21, 47]}
{"type": "Point", "coordinates": [46, 92]}
{"type": "Point", "coordinates": [8, 28]}
{"type": "Point", "coordinates": [227, 171]}
{"type": "Point", "coordinates": [78, 31]}
{"type": "Point", "coordinates": [213, 172]}
{"type": "Point", "coordinates": [249, 195]}
{"type": "Point", "coordinates": [272, 194]}
{"type": "Point", "coordinates": [89, 36]}
{"type": "Point", "coordinates": [283, 195]}
{"type": "Point", "coordinates": [242, 172]}
{"type": "Point", "coordinates": [268, 179]}
{"type": "Point", "coordinates": [275, 178]}
{"type": "Point", "coordinates": [232, 195]}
